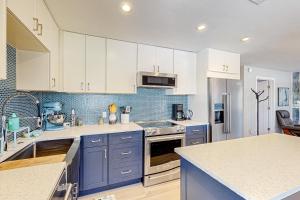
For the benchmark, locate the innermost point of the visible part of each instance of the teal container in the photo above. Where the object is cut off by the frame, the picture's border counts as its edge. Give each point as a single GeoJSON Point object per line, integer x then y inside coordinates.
{"type": "Point", "coordinates": [13, 122]}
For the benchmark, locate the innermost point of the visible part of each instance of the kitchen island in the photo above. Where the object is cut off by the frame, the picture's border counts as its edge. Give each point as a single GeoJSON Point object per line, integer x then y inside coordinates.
{"type": "Point", "coordinates": [254, 168]}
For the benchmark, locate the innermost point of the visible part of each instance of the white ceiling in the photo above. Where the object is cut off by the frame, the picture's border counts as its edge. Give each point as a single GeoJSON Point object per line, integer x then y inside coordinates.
{"type": "Point", "coordinates": [274, 26]}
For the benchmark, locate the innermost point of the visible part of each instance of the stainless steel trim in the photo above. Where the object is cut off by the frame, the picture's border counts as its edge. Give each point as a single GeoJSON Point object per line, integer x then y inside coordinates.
{"type": "Point", "coordinates": [156, 74]}
{"type": "Point", "coordinates": [126, 138]}
{"type": "Point", "coordinates": [68, 195]}
{"type": "Point", "coordinates": [162, 177]}
{"type": "Point", "coordinates": [227, 112]}
{"type": "Point", "coordinates": [126, 153]}
{"type": "Point", "coordinates": [126, 172]}
{"type": "Point", "coordinates": [164, 167]}
{"type": "Point", "coordinates": [95, 141]}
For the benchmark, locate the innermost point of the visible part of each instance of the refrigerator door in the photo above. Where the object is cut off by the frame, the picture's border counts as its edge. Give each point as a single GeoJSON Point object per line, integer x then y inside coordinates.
{"type": "Point", "coordinates": [235, 89]}
{"type": "Point", "coordinates": [229, 94]}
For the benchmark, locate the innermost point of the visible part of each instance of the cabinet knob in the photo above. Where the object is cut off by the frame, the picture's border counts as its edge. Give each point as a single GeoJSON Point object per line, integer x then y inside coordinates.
{"type": "Point", "coordinates": [36, 22]}
{"type": "Point", "coordinates": [40, 27]}
{"type": "Point", "coordinates": [82, 86]}
{"type": "Point", "coordinates": [54, 82]}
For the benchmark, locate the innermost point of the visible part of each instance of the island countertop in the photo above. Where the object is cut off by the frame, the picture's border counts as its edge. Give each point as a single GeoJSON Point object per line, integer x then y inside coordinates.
{"type": "Point", "coordinates": [257, 168]}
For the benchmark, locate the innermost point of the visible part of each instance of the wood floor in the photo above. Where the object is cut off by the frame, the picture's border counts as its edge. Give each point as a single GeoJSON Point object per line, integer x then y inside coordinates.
{"type": "Point", "coordinates": [165, 191]}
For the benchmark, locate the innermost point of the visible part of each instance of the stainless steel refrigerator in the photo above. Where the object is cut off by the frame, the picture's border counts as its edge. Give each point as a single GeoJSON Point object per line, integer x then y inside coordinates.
{"type": "Point", "coordinates": [225, 109]}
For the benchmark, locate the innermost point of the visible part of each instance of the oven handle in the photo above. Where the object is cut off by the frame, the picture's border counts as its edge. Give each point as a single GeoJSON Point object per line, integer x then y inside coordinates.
{"type": "Point", "coordinates": [165, 138]}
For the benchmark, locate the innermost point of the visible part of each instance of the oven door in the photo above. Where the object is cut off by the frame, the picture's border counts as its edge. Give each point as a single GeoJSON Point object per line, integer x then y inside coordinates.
{"type": "Point", "coordinates": [159, 153]}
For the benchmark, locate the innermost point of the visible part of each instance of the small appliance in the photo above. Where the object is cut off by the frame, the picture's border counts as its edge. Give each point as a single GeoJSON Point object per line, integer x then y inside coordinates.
{"type": "Point", "coordinates": [161, 163]}
{"type": "Point", "coordinates": [53, 117]}
{"type": "Point", "coordinates": [156, 80]}
{"type": "Point", "coordinates": [177, 112]}
{"type": "Point", "coordinates": [112, 118]}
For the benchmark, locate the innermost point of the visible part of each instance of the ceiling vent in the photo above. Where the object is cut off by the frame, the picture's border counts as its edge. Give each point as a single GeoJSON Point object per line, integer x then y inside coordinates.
{"type": "Point", "coordinates": [257, 2]}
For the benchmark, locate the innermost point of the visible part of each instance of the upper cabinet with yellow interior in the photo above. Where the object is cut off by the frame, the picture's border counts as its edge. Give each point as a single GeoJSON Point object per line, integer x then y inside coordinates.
{"type": "Point", "coordinates": [3, 39]}
{"type": "Point", "coordinates": [34, 33]}
{"type": "Point", "coordinates": [222, 64]}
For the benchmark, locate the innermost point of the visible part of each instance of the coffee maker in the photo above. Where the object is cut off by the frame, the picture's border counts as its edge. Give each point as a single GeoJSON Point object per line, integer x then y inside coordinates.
{"type": "Point", "coordinates": [177, 112]}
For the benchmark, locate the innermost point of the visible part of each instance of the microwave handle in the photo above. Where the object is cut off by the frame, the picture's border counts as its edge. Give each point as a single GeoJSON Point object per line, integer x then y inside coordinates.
{"type": "Point", "coordinates": [165, 138]}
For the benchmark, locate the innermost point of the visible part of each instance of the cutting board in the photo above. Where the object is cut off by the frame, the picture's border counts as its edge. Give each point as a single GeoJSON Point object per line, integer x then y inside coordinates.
{"type": "Point", "coordinates": [32, 162]}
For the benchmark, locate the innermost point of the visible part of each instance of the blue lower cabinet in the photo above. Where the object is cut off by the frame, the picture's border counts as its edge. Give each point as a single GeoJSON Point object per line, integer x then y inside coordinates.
{"type": "Point", "coordinates": [119, 162]}
{"type": "Point", "coordinates": [94, 168]}
{"type": "Point", "coordinates": [196, 135]}
{"type": "Point", "coordinates": [125, 172]}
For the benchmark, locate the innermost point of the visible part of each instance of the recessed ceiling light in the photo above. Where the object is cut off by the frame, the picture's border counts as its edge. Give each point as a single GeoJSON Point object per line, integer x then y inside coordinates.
{"type": "Point", "coordinates": [201, 27]}
{"type": "Point", "coordinates": [245, 39]}
{"type": "Point", "coordinates": [126, 7]}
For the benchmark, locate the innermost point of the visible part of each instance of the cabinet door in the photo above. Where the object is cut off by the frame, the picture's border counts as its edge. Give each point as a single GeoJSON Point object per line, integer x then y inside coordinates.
{"type": "Point", "coordinates": [216, 61]}
{"type": "Point", "coordinates": [146, 58]}
{"type": "Point", "coordinates": [164, 60]}
{"type": "Point", "coordinates": [232, 60]}
{"type": "Point", "coordinates": [185, 68]}
{"type": "Point", "coordinates": [24, 11]}
{"type": "Point", "coordinates": [3, 39]}
{"type": "Point", "coordinates": [73, 62]}
{"type": "Point", "coordinates": [121, 67]}
{"type": "Point", "coordinates": [48, 33]}
{"type": "Point", "coordinates": [94, 168]}
{"type": "Point", "coordinates": [95, 64]}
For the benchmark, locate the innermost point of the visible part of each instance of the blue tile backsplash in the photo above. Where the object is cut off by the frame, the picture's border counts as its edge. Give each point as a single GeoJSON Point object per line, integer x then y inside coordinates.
{"type": "Point", "coordinates": [147, 104]}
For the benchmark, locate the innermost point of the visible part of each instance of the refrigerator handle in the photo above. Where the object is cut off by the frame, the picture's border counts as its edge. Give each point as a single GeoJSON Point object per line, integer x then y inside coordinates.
{"type": "Point", "coordinates": [227, 112]}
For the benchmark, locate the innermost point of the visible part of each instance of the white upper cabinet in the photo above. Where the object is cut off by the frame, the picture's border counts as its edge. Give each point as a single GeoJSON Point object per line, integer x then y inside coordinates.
{"type": "Point", "coordinates": [164, 60]}
{"type": "Point", "coordinates": [185, 64]}
{"type": "Point", "coordinates": [73, 60]}
{"type": "Point", "coordinates": [222, 64]}
{"type": "Point", "coordinates": [25, 11]}
{"type": "Point", "coordinates": [3, 64]}
{"type": "Point", "coordinates": [121, 67]}
{"type": "Point", "coordinates": [146, 58]}
{"type": "Point", "coordinates": [155, 59]}
{"type": "Point", "coordinates": [95, 64]}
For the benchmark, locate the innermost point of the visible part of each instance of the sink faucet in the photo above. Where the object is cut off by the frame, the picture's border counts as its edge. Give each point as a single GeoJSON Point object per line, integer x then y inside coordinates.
{"type": "Point", "coordinates": [3, 134]}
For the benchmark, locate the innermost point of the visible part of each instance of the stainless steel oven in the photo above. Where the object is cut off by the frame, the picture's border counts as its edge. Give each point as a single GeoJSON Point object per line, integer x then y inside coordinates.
{"type": "Point", "coordinates": [161, 162]}
{"type": "Point", "coordinates": [63, 190]}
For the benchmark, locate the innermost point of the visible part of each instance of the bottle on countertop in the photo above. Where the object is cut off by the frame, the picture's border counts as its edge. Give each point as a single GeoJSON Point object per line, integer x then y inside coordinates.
{"type": "Point", "coordinates": [73, 118]}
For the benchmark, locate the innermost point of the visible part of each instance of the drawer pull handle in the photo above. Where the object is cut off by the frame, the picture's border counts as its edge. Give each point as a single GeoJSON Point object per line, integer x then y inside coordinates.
{"type": "Point", "coordinates": [194, 143]}
{"type": "Point", "coordinates": [95, 141]}
{"type": "Point", "coordinates": [126, 153]}
{"type": "Point", "coordinates": [126, 172]}
{"type": "Point", "coordinates": [126, 138]}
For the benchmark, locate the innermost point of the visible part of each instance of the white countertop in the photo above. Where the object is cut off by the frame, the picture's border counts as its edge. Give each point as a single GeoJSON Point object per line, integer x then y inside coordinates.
{"type": "Point", "coordinates": [189, 123]}
{"type": "Point", "coordinates": [30, 183]}
{"type": "Point", "coordinates": [256, 168]}
{"type": "Point", "coordinates": [70, 133]}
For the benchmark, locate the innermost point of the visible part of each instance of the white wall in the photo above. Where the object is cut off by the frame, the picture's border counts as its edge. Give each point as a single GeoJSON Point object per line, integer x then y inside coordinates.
{"type": "Point", "coordinates": [282, 79]}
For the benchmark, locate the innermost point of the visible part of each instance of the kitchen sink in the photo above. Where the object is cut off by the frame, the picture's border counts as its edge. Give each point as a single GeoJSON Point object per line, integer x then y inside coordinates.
{"type": "Point", "coordinates": [43, 148]}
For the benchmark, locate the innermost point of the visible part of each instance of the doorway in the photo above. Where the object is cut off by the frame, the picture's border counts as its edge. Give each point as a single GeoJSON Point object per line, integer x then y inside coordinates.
{"type": "Point", "coordinates": [267, 107]}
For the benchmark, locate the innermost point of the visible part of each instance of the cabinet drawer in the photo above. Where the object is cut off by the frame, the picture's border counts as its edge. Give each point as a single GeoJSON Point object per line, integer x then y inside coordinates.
{"type": "Point", "coordinates": [125, 138]}
{"type": "Point", "coordinates": [195, 141]}
{"type": "Point", "coordinates": [125, 155]}
{"type": "Point", "coordinates": [94, 140]}
{"type": "Point", "coordinates": [125, 173]}
{"type": "Point", "coordinates": [196, 131]}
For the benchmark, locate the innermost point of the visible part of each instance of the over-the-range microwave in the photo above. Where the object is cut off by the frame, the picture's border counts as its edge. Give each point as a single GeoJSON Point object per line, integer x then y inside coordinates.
{"type": "Point", "coordinates": [156, 80]}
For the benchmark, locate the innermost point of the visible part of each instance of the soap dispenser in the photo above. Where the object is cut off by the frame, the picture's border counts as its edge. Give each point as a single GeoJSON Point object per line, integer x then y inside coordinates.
{"type": "Point", "coordinates": [13, 123]}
